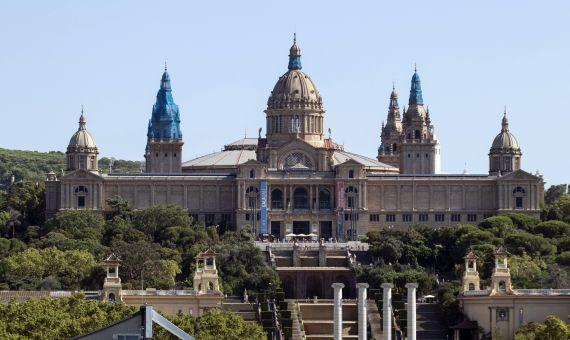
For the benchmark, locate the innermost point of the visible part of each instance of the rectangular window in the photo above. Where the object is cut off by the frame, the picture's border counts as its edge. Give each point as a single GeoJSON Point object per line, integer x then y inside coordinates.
{"type": "Point", "coordinates": [472, 218]}
{"type": "Point", "coordinates": [455, 217]}
{"type": "Point", "coordinates": [407, 217]}
{"type": "Point", "coordinates": [194, 217]}
{"type": "Point", "coordinates": [70, 162]}
{"type": "Point", "coordinates": [209, 219]}
{"type": "Point", "coordinates": [351, 217]}
{"type": "Point", "coordinates": [350, 202]}
{"type": "Point", "coordinates": [247, 217]}
{"type": "Point", "coordinates": [390, 218]}
{"type": "Point", "coordinates": [81, 162]}
{"type": "Point", "coordinates": [423, 217]}
{"type": "Point", "coordinates": [374, 218]}
{"type": "Point", "coordinates": [226, 218]}
{"type": "Point", "coordinates": [126, 337]}
{"type": "Point", "coordinates": [81, 201]}
{"type": "Point", "coordinates": [519, 202]}
{"type": "Point", "coordinates": [439, 217]}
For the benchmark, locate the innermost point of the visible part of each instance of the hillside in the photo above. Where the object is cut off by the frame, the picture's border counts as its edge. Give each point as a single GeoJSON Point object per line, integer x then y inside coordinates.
{"type": "Point", "coordinates": [33, 165]}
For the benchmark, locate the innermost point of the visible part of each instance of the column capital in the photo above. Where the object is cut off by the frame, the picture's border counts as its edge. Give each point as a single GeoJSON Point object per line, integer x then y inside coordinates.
{"type": "Point", "coordinates": [412, 285]}
{"type": "Point", "coordinates": [362, 285]}
{"type": "Point", "coordinates": [337, 285]}
{"type": "Point", "coordinates": [387, 285]}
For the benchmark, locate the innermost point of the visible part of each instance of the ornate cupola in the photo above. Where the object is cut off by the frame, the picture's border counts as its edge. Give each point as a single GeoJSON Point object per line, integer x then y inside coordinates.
{"type": "Point", "coordinates": [419, 152]}
{"type": "Point", "coordinates": [501, 278]}
{"type": "Point", "coordinates": [163, 152]}
{"type": "Point", "coordinates": [389, 150]}
{"type": "Point", "coordinates": [471, 280]}
{"type": "Point", "coordinates": [81, 150]}
{"type": "Point", "coordinates": [505, 153]}
{"type": "Point", "coordinates": [295, 107]}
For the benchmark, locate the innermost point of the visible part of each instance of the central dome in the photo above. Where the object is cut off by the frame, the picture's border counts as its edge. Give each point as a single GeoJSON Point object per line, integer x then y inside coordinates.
{"type": "Point", "coordinates": [505, 141]}
{"type": "Point", "coordinates": [295, 89]}
{"type": "Point", "coordinates": [82, 141]}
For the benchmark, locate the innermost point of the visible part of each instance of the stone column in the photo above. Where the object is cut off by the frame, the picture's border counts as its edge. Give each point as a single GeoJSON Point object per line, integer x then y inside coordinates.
{"type": "Point", "coordinates": [387, 311]}
{"type": "Point", "coordinates": [362, 312]}
{"type": "Point", "coordinates": [411, 310]}
{"type": "Point", "coordinates": [337, 312]}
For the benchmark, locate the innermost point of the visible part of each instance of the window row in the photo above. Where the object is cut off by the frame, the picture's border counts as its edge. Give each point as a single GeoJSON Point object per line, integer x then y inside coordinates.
{"type": "Point", "coordinates": [423, 218]}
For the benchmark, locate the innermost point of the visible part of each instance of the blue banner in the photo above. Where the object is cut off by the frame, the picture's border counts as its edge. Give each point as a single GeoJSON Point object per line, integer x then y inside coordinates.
{"type": "Point", "coordinates": [263, 207]}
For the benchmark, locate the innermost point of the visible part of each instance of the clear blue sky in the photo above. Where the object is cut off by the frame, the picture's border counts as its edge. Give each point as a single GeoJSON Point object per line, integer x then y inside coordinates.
{"type": "Point", "coordinates": [224, 58]}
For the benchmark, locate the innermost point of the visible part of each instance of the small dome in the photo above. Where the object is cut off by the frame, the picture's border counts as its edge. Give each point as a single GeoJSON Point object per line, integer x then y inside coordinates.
{"type": "Point", "coordinates": [505, 141]}
{"type": "Point", "coordinates": [82, 141]}
{"type": "Point", "coordinates": [295, 89]}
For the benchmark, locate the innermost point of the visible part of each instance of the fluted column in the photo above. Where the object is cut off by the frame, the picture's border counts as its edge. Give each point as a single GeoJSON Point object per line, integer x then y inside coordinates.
{"type": "Point", "coordinates": [362, 310]}
{"type": "Point", "coordinates": [387, 311]}
{"type": "Point", "coordinates": [337, 312]}
{"type": "Point", "coordinates": [411, 310]}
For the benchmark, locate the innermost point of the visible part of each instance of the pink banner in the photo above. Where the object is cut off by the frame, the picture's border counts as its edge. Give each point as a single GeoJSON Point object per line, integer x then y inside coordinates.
{"type": "Point", "coordinates": [340, 194]}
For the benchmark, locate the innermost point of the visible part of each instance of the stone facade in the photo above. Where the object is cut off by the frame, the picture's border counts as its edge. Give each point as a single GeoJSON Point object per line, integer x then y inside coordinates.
{"type": "Point", "coordinates": [312, 184]}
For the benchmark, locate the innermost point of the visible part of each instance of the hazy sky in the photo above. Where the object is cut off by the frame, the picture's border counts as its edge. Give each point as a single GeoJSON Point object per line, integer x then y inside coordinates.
{"type": "Point", "coordinates": [224, 58]}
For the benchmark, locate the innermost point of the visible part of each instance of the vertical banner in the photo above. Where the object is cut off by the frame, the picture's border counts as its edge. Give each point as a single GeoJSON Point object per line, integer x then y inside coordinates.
{"type": "Point", "coordinates": [340, 195]}
{"type": "Point", "coordinates": [340, 209]}
{"type": "Point", "coordinates": [264, 207]}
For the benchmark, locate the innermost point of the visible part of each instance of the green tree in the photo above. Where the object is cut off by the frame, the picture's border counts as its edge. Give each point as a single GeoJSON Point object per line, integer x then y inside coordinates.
{"type": "Point", "coordinates": [60, 318]}
{"type": "Point", "coordinates": [553, 229]}
{"type": "Point", "coordinates": [214, 325]}
{"type": "Point", "coordinates": [523, 221]}
{"type": "Point", "coordinates": [29, 268]}
{"type": "Point", "coordinates": [552, 329]}
{"type": "Point", "coordinates": [120, 207]}
{"type": "Point", "coordinates": [28, 199]}
{"type": "Point", "coordinates": [554, 192]}
{"type": "Point", "coordinates": [77, 224]}
{"type": "Point", "coordinates": [527, 272]}
{"type": "Point", "coordinates": [153, 221]}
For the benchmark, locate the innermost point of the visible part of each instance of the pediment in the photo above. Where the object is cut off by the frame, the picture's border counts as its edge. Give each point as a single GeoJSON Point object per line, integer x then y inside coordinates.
{"type": "Point", "coordinates": [519, 175]}
{"type": "Point", "coordinates": [297, 144]}
{"type": "Point", "coordinates": [82, 175]}
{"type": "Point", "coordinates": [350, 162]}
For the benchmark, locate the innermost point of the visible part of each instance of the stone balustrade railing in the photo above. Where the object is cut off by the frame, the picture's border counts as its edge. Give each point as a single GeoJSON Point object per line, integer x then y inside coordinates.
{"type": "Point", "coordinates": [541, 291]}
{"type": "Point", "coordinates": [481, 292]}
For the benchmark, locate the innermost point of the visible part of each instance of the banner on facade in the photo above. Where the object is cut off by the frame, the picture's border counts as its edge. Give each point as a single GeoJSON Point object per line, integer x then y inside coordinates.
{"type": "Point", "coordinates": [263, 207]}
{"type": "Point", "coordinates": [340, 195]}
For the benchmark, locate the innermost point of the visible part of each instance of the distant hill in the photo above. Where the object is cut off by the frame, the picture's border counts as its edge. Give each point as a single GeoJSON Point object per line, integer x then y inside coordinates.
{"type": "Point", "coordinates": [33, 165]}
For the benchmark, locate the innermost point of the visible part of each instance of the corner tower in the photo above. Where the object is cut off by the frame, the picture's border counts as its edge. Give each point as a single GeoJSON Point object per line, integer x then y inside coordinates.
{"type": "Point", "coordinates": [295, 107]}
{"type": "Point", "coordinates": [81, 150]}
{"type": "Point", "coordinates": [389, 150]}
{"type": "Point", "coordinates": [163, 152]}
{"type": "Point", "coordinates": [505, 153]}
{"type": "Point", "coordinates": [419, 147]}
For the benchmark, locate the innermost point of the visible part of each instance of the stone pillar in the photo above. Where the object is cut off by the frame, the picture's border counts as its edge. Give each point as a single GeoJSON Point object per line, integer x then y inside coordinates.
{"type": "Point", "coordinates": [411, 310]}
{"type": "Point", "coordinates": [322, 254]}
{"type": "Point", "coordinates": [362, 310]}
{"type": "Point", "coordinates": [337, 312]}
{"type": "Point", "coordinates": [387, 311]}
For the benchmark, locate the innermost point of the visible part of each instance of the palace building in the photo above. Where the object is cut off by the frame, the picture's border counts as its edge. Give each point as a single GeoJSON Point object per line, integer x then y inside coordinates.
{"type": "Point", "coordinates": [297, 180]}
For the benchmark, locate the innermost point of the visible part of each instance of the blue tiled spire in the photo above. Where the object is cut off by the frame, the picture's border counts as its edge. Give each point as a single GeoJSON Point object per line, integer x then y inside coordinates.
{"type": "Point", "coordinates": [165, 121]}
{"type": "Point", "coordinates": [416, 90]}
{"type": "Point", "coordinates": [295, 55]}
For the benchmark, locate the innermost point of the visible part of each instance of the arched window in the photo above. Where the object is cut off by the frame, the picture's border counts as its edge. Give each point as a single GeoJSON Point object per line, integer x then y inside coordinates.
{"type": "Point", "coordinates": [252, 194]}
{"type": "Point", "coordinates": [471, 286]}
{"type": "Point", "coordinates": [112, 297]}
{"type": "Point", "coordinates": [324, 199]}
{"type": "Point", "coordinates": [210, 286]}
{"type": "Point", "coordinates": [276, 199]}
{"type": "Point", "coordinates": [297, 160]}
{"type": "Point", "coordinates": [350, 173]}
{"type": "Point", "coordinates": [300, 199]}
{"type": "Point", "coordinates": [502, 286]}
{"type": "Point", "coordinates": [417, 134]}
{"type": "Point", "coordinates": [251, 173]}
{"type": "Point", "coordinates": [200, 287]}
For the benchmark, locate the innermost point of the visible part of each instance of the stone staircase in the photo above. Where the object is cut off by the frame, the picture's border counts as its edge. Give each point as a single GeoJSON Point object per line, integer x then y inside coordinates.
{"type": "Point", "coordinates": [296, 332]}
{"type": "Point", "coordinates": [318, 320]}
{"type": "Point", "coordinates": [428, 322]}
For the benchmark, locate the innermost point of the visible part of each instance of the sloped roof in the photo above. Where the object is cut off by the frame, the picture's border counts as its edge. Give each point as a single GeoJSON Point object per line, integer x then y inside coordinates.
{"type": "Point", "coordinates": [340, 157]}
{"type": "Point", "coordinates": [222, 159]}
